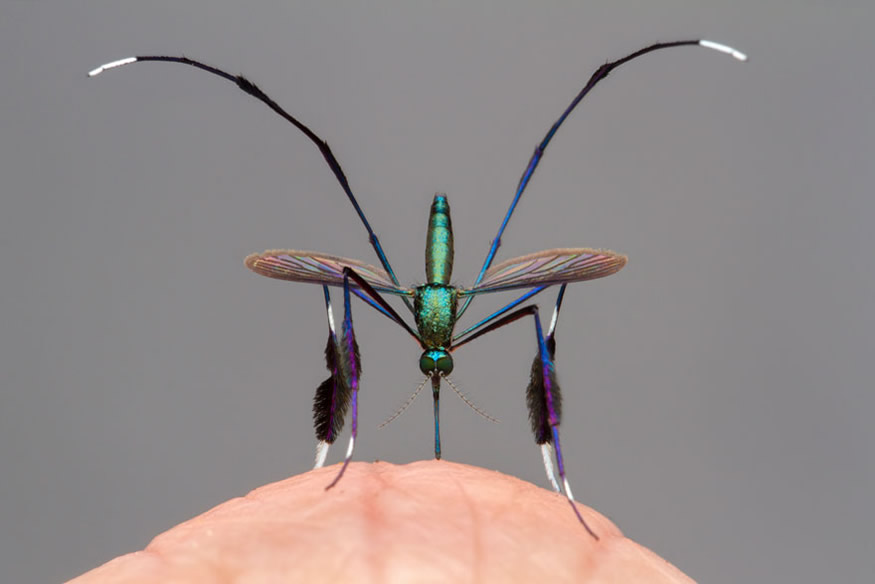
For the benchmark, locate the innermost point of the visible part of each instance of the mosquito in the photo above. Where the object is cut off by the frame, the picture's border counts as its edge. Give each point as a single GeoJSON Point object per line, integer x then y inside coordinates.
{"type": "Point", "coordinates": [437, 304]}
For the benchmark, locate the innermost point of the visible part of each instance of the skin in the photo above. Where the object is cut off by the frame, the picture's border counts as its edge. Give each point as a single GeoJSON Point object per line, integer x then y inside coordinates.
{"type": "Point", "coordinates": [430, 521]}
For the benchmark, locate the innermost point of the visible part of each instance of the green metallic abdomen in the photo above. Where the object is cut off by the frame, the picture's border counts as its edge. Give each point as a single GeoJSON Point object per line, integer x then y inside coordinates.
{"type": "Point", "coordinates": [439, 243]}
{"type": "Point", "coordinates": [435, 308]}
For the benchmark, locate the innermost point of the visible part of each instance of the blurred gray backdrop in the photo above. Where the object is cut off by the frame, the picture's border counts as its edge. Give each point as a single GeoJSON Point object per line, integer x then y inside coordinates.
{"type": "Point", "coordinates": [718, 390]}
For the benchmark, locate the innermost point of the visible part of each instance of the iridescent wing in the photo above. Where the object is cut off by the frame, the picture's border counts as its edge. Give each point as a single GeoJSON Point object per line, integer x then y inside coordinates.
{"type": "Point", "coordinates": [318, 268]}
{"type": "Point", "coordinates": [548, 268]}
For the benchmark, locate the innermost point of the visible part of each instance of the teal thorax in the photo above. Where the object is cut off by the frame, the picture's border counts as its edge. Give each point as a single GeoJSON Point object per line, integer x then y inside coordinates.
{"type": "Point", "coordinates": [434, 303]}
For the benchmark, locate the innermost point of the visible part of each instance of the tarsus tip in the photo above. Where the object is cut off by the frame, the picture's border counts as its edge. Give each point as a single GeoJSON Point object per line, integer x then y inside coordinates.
{"type": "Point", "coordinates": [723, 49]}
{"type": "Point", "coordinates": [112, 65]}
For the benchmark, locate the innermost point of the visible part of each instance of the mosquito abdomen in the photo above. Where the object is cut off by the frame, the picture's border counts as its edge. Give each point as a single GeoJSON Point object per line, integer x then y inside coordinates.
{"type": "Point", "coordinates": [439, 242]}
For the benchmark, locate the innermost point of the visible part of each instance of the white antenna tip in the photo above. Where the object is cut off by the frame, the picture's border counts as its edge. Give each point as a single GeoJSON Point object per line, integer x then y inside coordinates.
{"type": "Point", "coordinates": [723, 49]}
{"type": "Point", "coordinates": [112, 65]}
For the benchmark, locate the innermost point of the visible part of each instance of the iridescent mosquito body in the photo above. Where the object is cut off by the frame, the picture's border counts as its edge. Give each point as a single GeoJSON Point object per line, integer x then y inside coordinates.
{"type": "Point", "coordinates": [437, 305]}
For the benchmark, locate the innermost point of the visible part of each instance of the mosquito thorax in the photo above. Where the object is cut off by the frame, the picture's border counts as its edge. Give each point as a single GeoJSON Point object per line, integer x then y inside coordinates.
{"type": "Point", "coordinates": [434, 309]}
{"type": "Point", "coordinates": [436, 361]}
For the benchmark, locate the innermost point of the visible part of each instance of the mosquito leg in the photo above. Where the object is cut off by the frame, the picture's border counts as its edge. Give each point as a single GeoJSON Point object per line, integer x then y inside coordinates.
{"type": "Point", "coordinates": [543, 395]}
{"type": "Point", "coordinates": [545, 405]}
{"type": "Point", "coordinates": [248, 87]}
{"type": "Point", "coordinates": [350, 367]}
{"type": "Point", "coordinates": [547, 455]}
{"type": "Point", "coordinates": [331, 401]}
{"type": "Point", "coordinates": [596, 77]}
{"type": "Point", "coordinates": [554, 321]}
{"type": "Point", "coordinates": [546, 451]}
{"type": "Point", "coordinates": [506, 308]}
{"type": "Point", "coordinates": [321, 454]}
{"type": "Point", "coordinates": [347, 361]}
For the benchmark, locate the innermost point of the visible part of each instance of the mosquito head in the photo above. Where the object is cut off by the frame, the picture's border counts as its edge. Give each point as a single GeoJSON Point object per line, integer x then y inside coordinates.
{"type": "Point", "coordinates": [436, 361]}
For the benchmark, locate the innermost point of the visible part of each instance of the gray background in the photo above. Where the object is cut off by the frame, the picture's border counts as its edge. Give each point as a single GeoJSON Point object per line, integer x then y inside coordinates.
{"type": "Point", "coordinates": [718, 390]}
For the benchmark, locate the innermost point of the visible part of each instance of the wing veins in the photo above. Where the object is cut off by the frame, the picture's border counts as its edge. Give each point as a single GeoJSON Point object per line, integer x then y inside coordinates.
{"type": "Point", "coordinates": [319, 268]}
{"type": "Point", "coordinates": [549, 267]}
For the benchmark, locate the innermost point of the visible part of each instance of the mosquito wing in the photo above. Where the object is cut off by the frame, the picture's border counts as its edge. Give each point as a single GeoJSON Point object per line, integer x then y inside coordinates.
{"type": "Point", "coordinates": [318, 268]}
{"type": "Point", "coordinates": [548, 268]}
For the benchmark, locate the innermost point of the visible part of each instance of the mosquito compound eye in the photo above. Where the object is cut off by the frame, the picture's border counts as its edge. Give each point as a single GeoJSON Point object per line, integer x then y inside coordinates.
{"type": "Point", "coordinates": [436, 361]}
{"type": "Point", "coordinates": [445, 363]}
{"type": "Point", "coordinates": [426, 363]}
